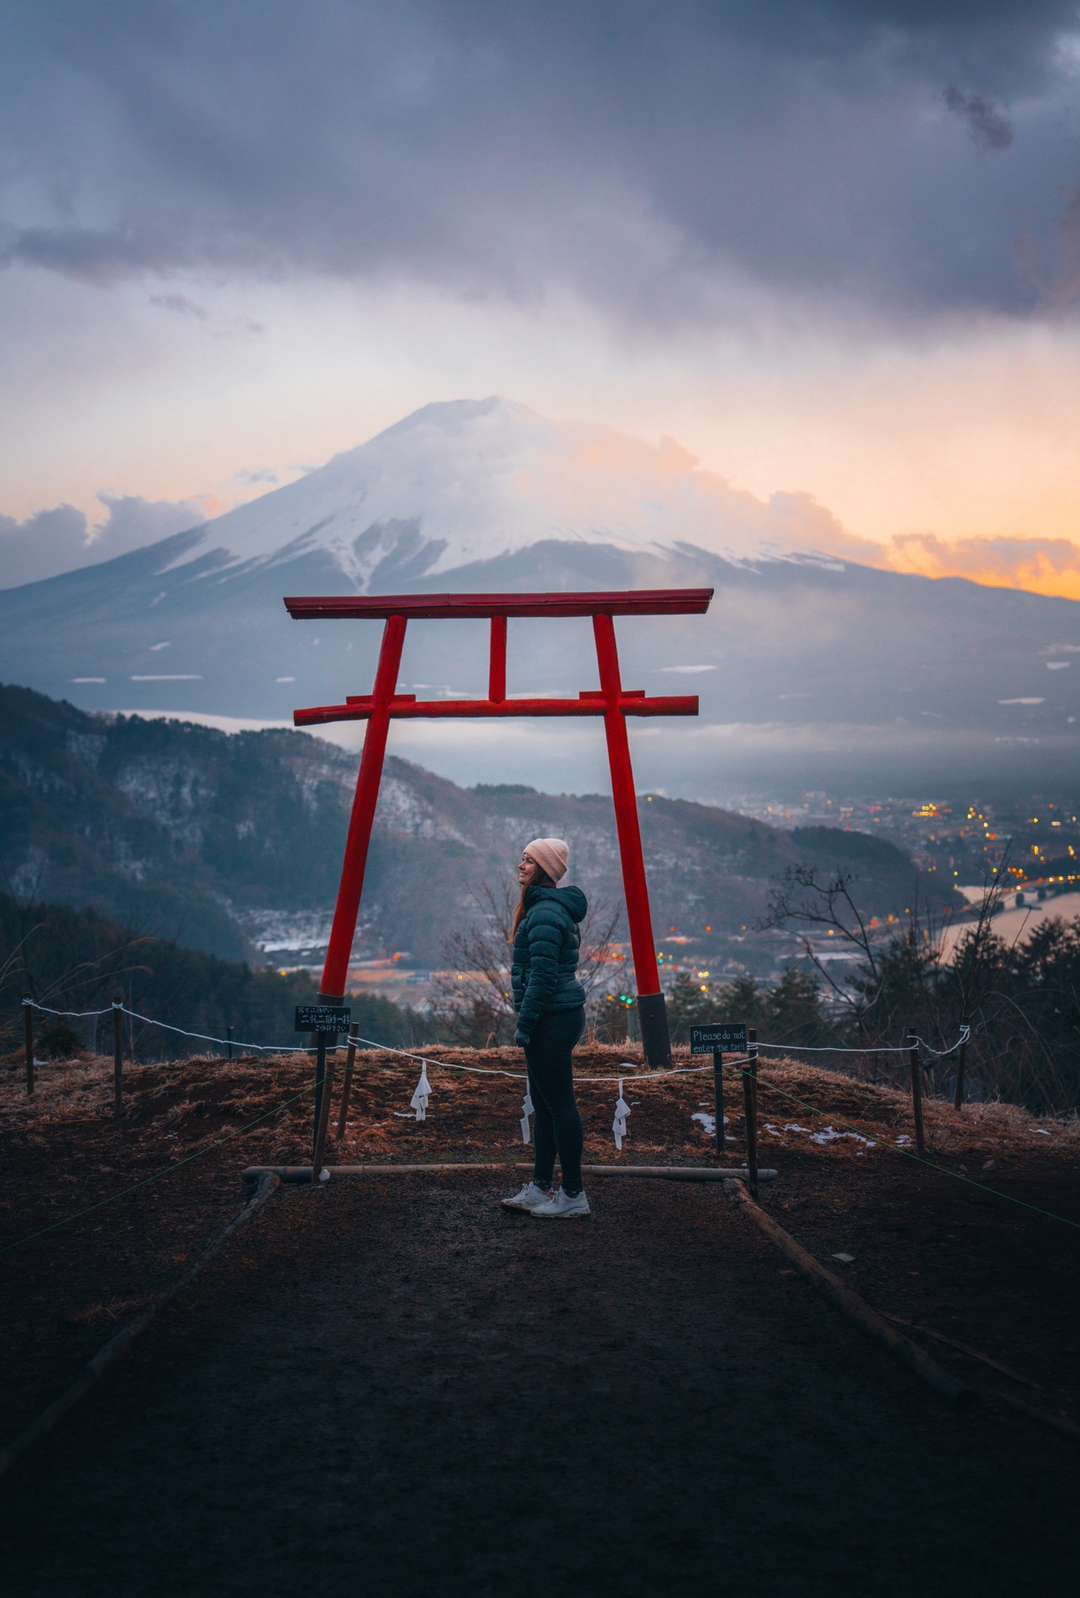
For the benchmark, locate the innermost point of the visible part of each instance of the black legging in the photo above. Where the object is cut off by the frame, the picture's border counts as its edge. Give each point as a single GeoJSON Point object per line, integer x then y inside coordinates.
{"type": "Point", "coordinates": [551, 1085]}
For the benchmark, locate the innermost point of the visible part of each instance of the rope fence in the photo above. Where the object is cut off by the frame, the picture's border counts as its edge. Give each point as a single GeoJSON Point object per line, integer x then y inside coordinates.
{"type": "Point", "coordinates": [628, 1071]}
{"type": "Point", "coordinates": [150, 1020]}
{"type": "Point", "coordinates": [449, 1065]}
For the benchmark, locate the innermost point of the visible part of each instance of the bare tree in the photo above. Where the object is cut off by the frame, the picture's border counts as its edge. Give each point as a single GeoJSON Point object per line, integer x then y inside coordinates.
{"type": "Point", "coordinates": [805, 898]}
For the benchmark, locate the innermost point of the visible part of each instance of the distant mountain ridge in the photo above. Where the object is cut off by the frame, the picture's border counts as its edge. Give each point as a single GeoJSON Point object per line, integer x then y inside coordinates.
{"type": "Point", "coordinates": [225, 841]}
{"type": "Point", "coordinates": [810, 668]}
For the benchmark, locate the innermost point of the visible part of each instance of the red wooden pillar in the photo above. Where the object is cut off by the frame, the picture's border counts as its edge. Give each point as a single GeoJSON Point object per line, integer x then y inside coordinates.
{"type": "Point", "coordinates": [497, 669]}
{"type": "Point", "coordinates": [652, 1010]}
{"type": "Point", "coordinates": [335, 970]}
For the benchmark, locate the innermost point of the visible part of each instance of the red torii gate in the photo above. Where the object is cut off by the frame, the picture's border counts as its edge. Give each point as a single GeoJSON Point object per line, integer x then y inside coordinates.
{"type": "Point", "coordinates": [612, 701]}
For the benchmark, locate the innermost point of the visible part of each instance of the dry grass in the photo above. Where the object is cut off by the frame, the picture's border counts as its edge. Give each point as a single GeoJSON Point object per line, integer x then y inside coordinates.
{"type": "Point", "coordinates": [175, 1108]}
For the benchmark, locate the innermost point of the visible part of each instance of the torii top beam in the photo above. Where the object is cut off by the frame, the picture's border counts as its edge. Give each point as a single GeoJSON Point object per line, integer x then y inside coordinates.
{"type": "Point", "coordinates": [434, 607]}
{"type": "Point", "coordinates": [398, 609]}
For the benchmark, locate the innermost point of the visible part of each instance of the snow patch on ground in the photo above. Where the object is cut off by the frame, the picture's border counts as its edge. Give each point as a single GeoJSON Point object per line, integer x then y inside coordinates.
{"type": "Point", "coordinates": [827, 1134]}
{"type": "Point", "coordinates": [279, 932]}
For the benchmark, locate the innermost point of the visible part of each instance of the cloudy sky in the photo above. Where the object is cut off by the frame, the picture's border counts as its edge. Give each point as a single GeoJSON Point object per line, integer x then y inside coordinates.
{"type": "Point", "coordinates": [832, 246]}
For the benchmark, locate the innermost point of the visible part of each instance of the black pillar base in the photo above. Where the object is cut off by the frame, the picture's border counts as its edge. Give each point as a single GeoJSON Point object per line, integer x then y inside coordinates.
{"type": "Point", "coordinates": [326, 1046]}
{"type": "Point", "coordinates": [655, 1039]}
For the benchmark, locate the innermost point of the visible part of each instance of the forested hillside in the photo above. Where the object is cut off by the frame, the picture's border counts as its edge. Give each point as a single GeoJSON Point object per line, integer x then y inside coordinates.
{"type": "Point", "coordinates": [224, 841]}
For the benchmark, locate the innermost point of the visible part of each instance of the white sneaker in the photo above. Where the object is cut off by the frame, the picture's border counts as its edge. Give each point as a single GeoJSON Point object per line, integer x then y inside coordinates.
{"type": "Point", "coordinates": [563, 1204]}
{"type": "Point", "coordinates": [529, 1197]}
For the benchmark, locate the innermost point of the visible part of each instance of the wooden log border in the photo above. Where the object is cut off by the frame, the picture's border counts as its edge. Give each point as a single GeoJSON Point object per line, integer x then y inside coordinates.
{"type": "Point", "coordinates": [668, 1173]}
{"type": "Point", "coordinates": [855, 1307]}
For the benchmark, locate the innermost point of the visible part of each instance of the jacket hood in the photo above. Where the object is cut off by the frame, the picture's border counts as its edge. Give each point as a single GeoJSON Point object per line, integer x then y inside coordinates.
{"type": "Point", "coordinates": [572, 900]}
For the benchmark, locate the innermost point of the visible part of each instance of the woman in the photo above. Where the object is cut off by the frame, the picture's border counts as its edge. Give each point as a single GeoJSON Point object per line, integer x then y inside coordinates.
{"type": "Point", "coordinates": [550, 1005]}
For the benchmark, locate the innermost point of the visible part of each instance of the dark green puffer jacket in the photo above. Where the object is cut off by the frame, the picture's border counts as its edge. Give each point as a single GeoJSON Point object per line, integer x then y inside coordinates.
{"type": "Point", "coordinates": [546, 954]}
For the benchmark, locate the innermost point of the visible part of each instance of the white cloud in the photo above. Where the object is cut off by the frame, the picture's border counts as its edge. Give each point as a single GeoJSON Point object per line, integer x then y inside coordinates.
{"type": "Point", "coordinates": [61, 539]}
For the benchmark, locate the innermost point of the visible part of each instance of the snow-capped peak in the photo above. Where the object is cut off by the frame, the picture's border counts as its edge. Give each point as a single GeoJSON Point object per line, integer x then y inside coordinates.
{"type": "Point", "coordinates": [469, 480]}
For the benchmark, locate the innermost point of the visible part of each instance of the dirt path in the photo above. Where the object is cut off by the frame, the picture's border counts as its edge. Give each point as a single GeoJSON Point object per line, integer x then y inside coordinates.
{"type": "Point", "coordinates": [390, 1387]}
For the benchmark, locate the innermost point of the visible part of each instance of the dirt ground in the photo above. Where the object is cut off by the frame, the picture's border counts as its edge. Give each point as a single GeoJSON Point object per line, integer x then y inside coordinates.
{"type": "Point", "coordinates": [390, 1386]}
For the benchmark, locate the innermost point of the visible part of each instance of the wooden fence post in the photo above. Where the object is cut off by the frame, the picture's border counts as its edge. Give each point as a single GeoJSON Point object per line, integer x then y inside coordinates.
{"type": "Point", "coordinates": [346, 1090]}
{"type": "Point", "coordinates": [958, 1098]}
{"type": "Point", "coordinates": [118, 1055]}
{"type": "Point", "coordinates": [916, 1091]}
{"type": "Point", "coordinates": [28, 1043]}
{"type": "Point", "coordinates": [324, 1078]}
{"type": "Point", "coordinates": [228, 1046]}
{"type": "Point", "coordinates": [718, 1078]}
{"type": "Point", "coordinates": [750, 1109]}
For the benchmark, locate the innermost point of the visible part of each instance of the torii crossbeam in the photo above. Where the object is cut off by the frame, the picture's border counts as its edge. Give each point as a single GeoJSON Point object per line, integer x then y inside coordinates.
{"type": "Point", "coordinates": [612, 701]}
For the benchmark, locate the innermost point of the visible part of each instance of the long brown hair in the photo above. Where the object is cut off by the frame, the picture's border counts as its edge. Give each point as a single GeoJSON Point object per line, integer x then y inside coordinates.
{"type": "Point", "coordinates": [541, 880]}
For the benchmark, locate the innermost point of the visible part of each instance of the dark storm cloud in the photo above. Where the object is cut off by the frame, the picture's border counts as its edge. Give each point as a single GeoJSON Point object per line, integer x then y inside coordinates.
{"type": "Point", "coordinates": [636, 153]}
{"type": "Point", "coordinates": [988, 127]}
{"type": "Point", "coordinates": [93, 255]}
{"type": "Point", "coordinates": [179, 305]}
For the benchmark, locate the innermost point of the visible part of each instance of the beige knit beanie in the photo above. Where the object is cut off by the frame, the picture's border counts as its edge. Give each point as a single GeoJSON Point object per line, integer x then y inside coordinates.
{"type": "Point", "coordinates": [551, 854]}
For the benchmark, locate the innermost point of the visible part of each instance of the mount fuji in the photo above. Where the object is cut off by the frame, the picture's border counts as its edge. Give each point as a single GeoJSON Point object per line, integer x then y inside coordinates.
{"type": "Point", "coordinates": [810, 667]}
